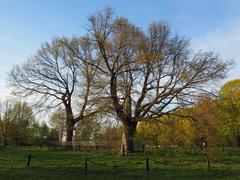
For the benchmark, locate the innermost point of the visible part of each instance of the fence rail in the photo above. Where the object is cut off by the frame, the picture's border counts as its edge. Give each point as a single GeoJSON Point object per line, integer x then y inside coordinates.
{"type": "Point", "coordinates": [87, 163]}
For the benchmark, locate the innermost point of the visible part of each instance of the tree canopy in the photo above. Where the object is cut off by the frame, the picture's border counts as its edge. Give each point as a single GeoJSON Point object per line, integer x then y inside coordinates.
{"type": "Point", "coordinates": [118, 68]}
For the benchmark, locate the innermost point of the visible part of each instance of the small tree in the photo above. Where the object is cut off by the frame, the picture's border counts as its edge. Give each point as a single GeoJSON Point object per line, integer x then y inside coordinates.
{"type": "Point", "coordinates": [89, 129]}
{"type": "Point", "coordinates": [57, 121]}
{"type": "Point", "coordinates": [15, 122]}
{"type": "Point", "coordinates": [6, 121]}
{"type": "Point", "coordinates": [20, 132]}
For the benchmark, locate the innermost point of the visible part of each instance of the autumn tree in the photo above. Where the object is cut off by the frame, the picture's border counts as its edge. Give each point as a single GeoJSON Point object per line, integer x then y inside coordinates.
{"type": "Point", "coordinates": [195, 126]}
{"type": "Point", "coordinates": [149, 132]}
{"type": "Point", "coordinates": [111, 134]}
{"type": "Point", "coordinates": [15, 122]}
{"type": "Point", "coordinates": [54, 76]}
{"type": "Point", "coordinates": [229, 103]}
{"type": "Point", "coordinates": [203, 129]}
{"type": "Point", "coordinates": [146, 74]}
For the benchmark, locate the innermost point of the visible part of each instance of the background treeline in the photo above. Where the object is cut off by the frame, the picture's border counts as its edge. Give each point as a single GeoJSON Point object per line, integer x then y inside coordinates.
{"type": "Point", "coordinates": [20, 127]}
{"type": "Point", "coordinates": [213, 121]}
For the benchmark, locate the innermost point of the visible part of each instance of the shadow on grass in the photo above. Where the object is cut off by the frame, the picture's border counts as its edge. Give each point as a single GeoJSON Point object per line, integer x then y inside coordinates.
{"type": "Point", "coordinates": [118, 173]}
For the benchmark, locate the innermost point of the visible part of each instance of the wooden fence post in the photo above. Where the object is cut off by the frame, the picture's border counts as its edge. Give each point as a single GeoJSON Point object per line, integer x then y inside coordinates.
{"type": "Point", "coordinates": [143, 148]}
{"type": "Point", "coordinates": [147, 164]}
{"type": "Point", "coordinates": [29, 160]}
{"type": "Point", "coordinates": [85, 165]}
{"type": "Point", "coordinates": [123, 150]}
{"type": "Point", "coordinates": [208, 163]}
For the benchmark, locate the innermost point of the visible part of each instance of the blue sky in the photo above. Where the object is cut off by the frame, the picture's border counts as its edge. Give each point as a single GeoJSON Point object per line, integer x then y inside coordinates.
{"type": "Point", "coordinates": [25, 24]}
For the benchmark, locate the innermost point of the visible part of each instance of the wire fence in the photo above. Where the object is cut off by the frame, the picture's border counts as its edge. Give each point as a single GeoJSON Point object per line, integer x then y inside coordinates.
{"type": "Point", "coordinates": [88, 163]}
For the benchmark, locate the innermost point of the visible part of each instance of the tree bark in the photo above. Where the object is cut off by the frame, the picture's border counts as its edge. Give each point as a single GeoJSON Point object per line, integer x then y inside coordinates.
{"type": "Point", "coordinates": [69, 127]}
{"type": "Point", "coordinates": [69, 137]}
{"type": "Point", "coordinates": [129, 132]}
{"type": "Point", "coordinates": [238, 141]}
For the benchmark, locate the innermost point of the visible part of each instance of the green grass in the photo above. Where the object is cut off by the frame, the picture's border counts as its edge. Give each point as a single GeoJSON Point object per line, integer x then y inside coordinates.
{"type": "Point", "coordinates": [164, 164]}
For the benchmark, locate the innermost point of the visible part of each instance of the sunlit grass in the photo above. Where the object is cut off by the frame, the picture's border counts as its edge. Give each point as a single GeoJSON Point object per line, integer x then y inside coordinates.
{"type": "Point", "coordinates": [164, 164]}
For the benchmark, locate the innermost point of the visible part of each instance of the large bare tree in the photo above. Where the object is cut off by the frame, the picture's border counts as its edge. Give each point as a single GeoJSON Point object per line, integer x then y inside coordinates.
{"type": "Point", "coordinates": [139, 75]}
{"type": "Point", "coordinates": [146, 74]}
{"type": "Point", "coordinates": [54, 76]}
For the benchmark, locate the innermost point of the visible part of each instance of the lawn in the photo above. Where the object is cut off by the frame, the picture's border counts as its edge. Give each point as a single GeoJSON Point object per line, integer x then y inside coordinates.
{"type": "Point", "coordinates": [163, 164]}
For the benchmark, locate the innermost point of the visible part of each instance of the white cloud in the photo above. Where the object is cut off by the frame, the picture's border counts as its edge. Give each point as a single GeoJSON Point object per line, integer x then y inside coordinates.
{"type": "Point", "coordinates": [225, 41]}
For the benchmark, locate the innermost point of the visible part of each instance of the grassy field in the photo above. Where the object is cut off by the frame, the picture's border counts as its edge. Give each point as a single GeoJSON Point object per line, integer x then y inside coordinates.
{"type": "Point", "coordinates": [164, 164]}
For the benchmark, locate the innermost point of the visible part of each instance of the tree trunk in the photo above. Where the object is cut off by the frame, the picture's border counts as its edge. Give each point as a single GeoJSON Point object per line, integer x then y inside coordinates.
{"type": "Point", "coordinates": [129, 132]}
{"type": "Point", "coordinates": [60, 138]}
{"type": "Point", "coordinates": [5, 143]}
{"type": "Point", "coordinates": [69, 126]}
{"type": "Point", "coordinates": [238, 141]}
{"type": "Point", "coordinates": [69, 137]}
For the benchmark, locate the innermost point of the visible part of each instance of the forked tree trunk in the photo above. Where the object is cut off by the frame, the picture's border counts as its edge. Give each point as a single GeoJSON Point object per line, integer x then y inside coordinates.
{"type": "Point", "coordinates": [129, 132]}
